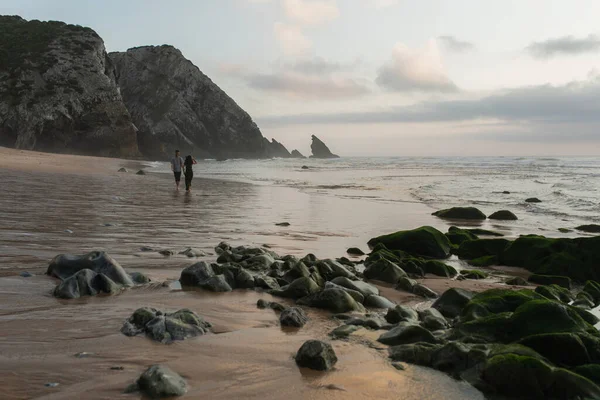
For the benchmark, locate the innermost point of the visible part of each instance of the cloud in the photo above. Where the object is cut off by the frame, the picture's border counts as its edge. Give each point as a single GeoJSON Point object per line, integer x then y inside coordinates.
{"type": "Point", "coordinates": [308, 87]}
{"type": "Point", "coordinates": [566, 45]}
{"type": "Point", "coordinates": [453, 44]}
{"type": "Point", "coordinates": [316, 66]}
{"type": "Point", "coordinates": [291, 40]}
{"type": "Point", "coordinates": [381, 3]}
{"type": "Point", "coordinates": [413, 70]}
{"type": "Point", "coordinates": [311, 12]}
{"type": "Point", "coordinates": [573, 105]}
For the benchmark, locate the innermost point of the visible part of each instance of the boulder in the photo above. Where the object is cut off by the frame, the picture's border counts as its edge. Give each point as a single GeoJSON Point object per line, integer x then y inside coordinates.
{"type": "Point", "coordinates": [293, 316]}
{"type": "Point", "coordinates": [190, 252]}
{"type": "Point", "coordinates": [355, 251]}
{"type": "Point", "coordinates": [591, 228]}
{"type": "Point", "coordinates": [473, 274]}
{"type": "Point", "coordinates": [504, 215]}
{"type": "Point", "coordinates": [375, 301]}
{"type": "Point", "coordinates": [401, 314]}
{"type": "Point", "coordinates": [262, 304]}
{"type": "Point", "coordinates": [475, 249]}
{"type": "Point", "coordinates": [439, 268]}
{"type": "Point", "coordinates": [317, 355]}
{"type": "Point", "coordinates": [406, 284]}
{"type": "Point", "coordinates": [159, 381]}
{"type": "Point", "coordinates": [457, 235]}
{"type": "Point", "coordinates": [299, 288]}
{"type": "Point", "coordinates": [385, 271]}
{"type": "Point", "coordinates": [592, 288]}
{"type": "Point", "coordinates": [533, 200]}
{"type": "Point", "coordinates": [517, 281]}
{"type": "Point", "coordinates": [452, 301]}
{"type": "Point", "coordinates": [432, 319]}
{"type": "Point", "coordinates": [357, 296]}
{"type": "Point", "coordinates": [331, 269]}
{"type": "Point", "coordinates": [423, 291]}
{"type": "Point", "coordinates": [460, 213]}
{"type": "Point", "coordinates": [139, 278]}
{"type": "Point", "coordinates": [141, 172]}
{"type": "Point", "coordinates": [584, 300]}
{"type": "Point", "coordinates": [495, 301]}
{"type": "Point", "coordinates": [343, 331]}
{"type": "Point", "coordinates": [66, 265]}
{"type": "Point", "coordinates": [85, 283]}
{"type": "Point", "coordinates": [363, 287]}
{"type": "Point", "coordinates": [420, 353]}
{"type": "Point", "coordinates": [122, 170]}
{"type": "Point", "coordinates": [165, 327]}
{"type": "Point", "coordinates": [266, 282]}
{"type": "Point", "coordinates": [555, 292]}
{"type": "Point", "coordinates": [202, 275]}
{"type": "Point", "coordinates": [405, 333]}
{"type": "Point", "coordinates": [563, 349]}
{"type": "Point", "coordinates": [589, 371]}
{"type": "Point", "coordinates": [320, 150]}
{"type": "Point", "coordinates": [425, 242]}
{"type": "Point", "coordinates": [371, 321]}
{"type": "Point", "coordinates": [334, 300]}
{"type": "Point", "coordinates": [563, 281]}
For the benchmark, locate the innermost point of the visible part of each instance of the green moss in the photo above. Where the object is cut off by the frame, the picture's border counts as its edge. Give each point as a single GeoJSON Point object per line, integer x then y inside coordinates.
{"type": "Point", "coordinates": [590, 371]}
{"type": "Point", "coordinates": [484, 232]}
{"type": "Point", "coordinates": [490, 328]}
{"type": "Point", "coordinates": [504, 215]}
{"type": "Point", "coordinates": [592, 288]}
{"type": "Point", "coordinates": [485, 261]}
{"type": "Point", "coordinates": [562, 349]}
{"type": "Point", "coordinates": [481, 248]}
{"type": "Point", "coordinates": [423, 242]}
{"type": "Point", "coordinates": [555, 292]}
{"type": "Point", "coordinates": [496, 301]}
{"type": "Point", "coordinates": [563, 281]}
{"type": "Point", "coordinates": [474, 274]}
{"type": "Point", "coordinates": [457, 235]}
{"type": "Point", "coordinates": [461, 213]}
{"type": "Point", "coordinates": [439, 268]}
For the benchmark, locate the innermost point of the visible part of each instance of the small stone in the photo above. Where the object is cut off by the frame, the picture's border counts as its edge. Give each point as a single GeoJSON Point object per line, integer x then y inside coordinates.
{"type": "Point", "coordinates": [355, 251]}
{"type": "Point", "coordinates": [283, 224]}
{"type": "Point", "coordinates": [122, 170]}
{"type": "Point", "coordinates": [68, 231]}
{"type": "Point", "coordinates": [293, 316]}
{"type": "Point", "coordinates": [166, 253]}
{"type": "Point", "coordinates": [119, 368]}
{"type": "Point", "coordinates": [26, 274]}
{"type": "Point", "coordinates": [146, 249]}
{"type": "Point", "coordinates": [83, 354]}
{"type": "Point", "coordinates": [51, 384]}
{"type": "Point", "coordinates": [305, 167]}
{"type": "Point", "coordinates": [533, 200]}
{"type": "Point", "coordinates": [316, 355]}
{"type": "Point", "coordinates": [141, 172]}
{"type": "Point", "coordinates": [399, 366]}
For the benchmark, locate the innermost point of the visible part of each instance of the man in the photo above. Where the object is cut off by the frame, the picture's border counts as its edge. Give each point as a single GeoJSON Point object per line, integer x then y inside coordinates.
{"type": "Point", "coordinates": [176, 166]}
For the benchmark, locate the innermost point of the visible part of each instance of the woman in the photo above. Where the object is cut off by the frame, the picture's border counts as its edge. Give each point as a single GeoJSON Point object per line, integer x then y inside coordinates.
{"type": "Point", "coordinates": [189, 173]}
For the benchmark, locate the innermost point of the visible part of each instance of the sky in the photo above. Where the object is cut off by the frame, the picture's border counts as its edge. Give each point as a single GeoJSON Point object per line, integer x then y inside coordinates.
{"type": "Point", "coordinates": [381, 77]}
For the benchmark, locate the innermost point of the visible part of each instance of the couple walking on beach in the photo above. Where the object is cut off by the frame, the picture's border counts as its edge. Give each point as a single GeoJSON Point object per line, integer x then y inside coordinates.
{"type": "Point", "coordinates": [178, 164]}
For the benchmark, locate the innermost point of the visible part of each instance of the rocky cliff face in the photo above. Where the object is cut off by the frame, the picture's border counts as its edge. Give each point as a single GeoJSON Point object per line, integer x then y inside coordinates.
{"type": "Point", "coordinates": [174, 105]}
{"type": "Point", "coordinates": [320, 149]}
{"type": "Point", "coordinates": [57, 91]}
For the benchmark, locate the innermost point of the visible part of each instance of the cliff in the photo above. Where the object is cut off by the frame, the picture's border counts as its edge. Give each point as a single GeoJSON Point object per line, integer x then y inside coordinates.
{"type": "Point", "coordinates": [174, 105]}
{"type": "Point", "coordinates": [320, 149]}
{"type": "Point", "coordinates": [57, 91]}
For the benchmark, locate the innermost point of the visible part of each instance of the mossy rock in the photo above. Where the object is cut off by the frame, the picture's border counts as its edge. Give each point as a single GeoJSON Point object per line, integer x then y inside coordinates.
{"type": "Point", "coordinates": [564, 230]}
{"type": "Point", "coordinates": [562, 281]}
{"type": "Point", "coordinates": [439, 268]}
{"type": "Point", "coordinates": [484, 232]}
{"type": "Point", "coordinates": [533, 200]}
{"type": "Point", "coordinates": [555, 292]}
{"type": "Point", "coordinates": [591, 228]}
{"type": "Point", "coordinates": [589, 371]}
{"type": "Point", "coordinates": [526, 377]}
{"type": "Point", "coordinates": [517, 281]}
{"type": "Point", "coordinates": [460, 213]}
{"type": "Point", "coordinates": [593, 289]}
{"type": "Point", "coordinates": [496, 301]}
{"type": "Point", "coordinates": [385, 271]}
{"type": "Point", "coordinates": [503, 215]}
{"type": "Point", "coordinates": [574, 258]}
{"type": "Point", "coordinates": [485, 261]}
{"type": "Point", "coordinates": [457, 235]}
{"type": "Point", "coordinates": [562, 349]}
{"type": "Point", "coordinates": [475, 249]}
{"type": "Point", "coordinates": [474, 274]}
{"type": "Point", "coordinates": [424, 242]}
{"type": "Point", "coordinates": [420, 353]}
{"type": "Point", "coordinates": [491, 328]}
{"type": "Point", "coordinates": [452, 301]}
{"type": "Point", "coordinates": [584, 300]}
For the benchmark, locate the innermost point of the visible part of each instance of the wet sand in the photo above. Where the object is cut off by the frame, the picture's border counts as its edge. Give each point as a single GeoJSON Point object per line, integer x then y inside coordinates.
{"type": "Point", "coordinates": [55, 204]}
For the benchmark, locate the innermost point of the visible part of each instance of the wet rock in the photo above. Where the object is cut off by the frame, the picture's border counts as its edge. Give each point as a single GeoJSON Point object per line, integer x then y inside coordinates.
{"type": "Point", "coordinates": [159, 381]}
{"type": "Point", "coordinates": [139, 278]}
{"type": "Point", "coordinates": [266, 282]}
{"type": "Point", "coordinates": [474, 274]}
{"type": "Point", "coordinates": [316, 355]}
{"type": "Point", "coordinates": [452, 301]}
{"type": "Point", "coordinates": [334, 300]}
{"type": "Point", "coordinates": [533, 200]}
{"type": "Point", "coordinates": [141, 172]}
{"type": "Point", "coordinates": [555, 292]}
{"type": "Point", "coordinates": [565, 349]}
{"type": "Point", "coordinates": [584, 300]}
{"type": "Point", "coordinates": [293, 316]}
{"type": "Point", "coordinates": [424, 242]}
{"type": "Point", "coordinates": [190, 252]}
{"type": "Point", "coordinates": [551, 279]}
{"type": "Point", "coordinates": [122, 170]}
{"type": "Point", "coordinates": [406, 284]}
{"type": "Point", "coordinates": [299, 288]}
{"type": "Point", "coordinates": [423, 291]}
{"type": "Point", "coordinates": [405, 333]}
{"type": "Point", "coordinates": [85, 283]}
{"type": "Point", "coordinates": [283, 224]}
{"type": "Point", "coordinates": [65, 265]}
{"type": "Point", "coordinates": [504, 215]}
{"type": "Point", "coordinates": [401, 314]}
{"type": "Point", "coordinates": [385, 271]}
{"type": "Point", "coordinates": [457, 235]}
{"type": "Point", "coordinates": [166, 253]}
{"type": "Point", "coordinates": [416, 353]}
{"type": "Point", "coordinates": [364, 288]}
{"type": "Point", "coordinates": [460, 213]}
{"type": "Point", "coordinates": [165, 327]}
{"type": "Point", "coordinates": [356, 295]}
{"type": "Point", "coordinates": [517, 281]}
{"type": "Point", "coordinates": [26, 274]}
{"type": "Point", "coordinates": [564, 230]}
{"type": "Point", "coordinates": [355, 251]}
{"type": "Point", "coordinates": [305, 167]}
{"type": "Point", "coordinates": [343, 331]}
{"type": "Point", "coordinates": [331, 269]}
{"type": "Point", "coordinates": [439, 268]}
{"type": "Point", "coordinates": [378, 302]}
{"type": "Point", "coordinates": [371, 321]}
{"type": "Point", "coordinates": [433, 320]}
{"type": "Point", "coordinates": [261, 303]}
{"type": "Point", "coordinates": [202, 275]}
{"type": "Point", "coordinates": [591, 228]}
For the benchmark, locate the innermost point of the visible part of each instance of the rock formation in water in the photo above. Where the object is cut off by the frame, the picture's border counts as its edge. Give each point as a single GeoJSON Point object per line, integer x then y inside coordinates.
{"type": "Point", "coordinates": [297, 154]}
{"type": "Point", "coordinates": [276, 149]}
{"type": "Point", "coordinates": [57, 91]}
{"type": "Point", "coordinates": [320, 149]}
{"type": "Point", "coordinates": [174, 105]}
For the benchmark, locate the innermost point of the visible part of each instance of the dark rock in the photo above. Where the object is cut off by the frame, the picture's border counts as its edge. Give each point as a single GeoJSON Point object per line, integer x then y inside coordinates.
{"type": "Point", "coordinates": [564, 230]}
{"type": "Point", "coordinates": [58, 91]}
{"type": "Point", "coordinates": [495, 301]}
{"type": "Point", "coordinates": [506, 192]}
{"type": "Point", "coordinates": [592, 228]}
{"type": "Point", "coordinates": [484, 232]}
{"type": "Point", "coordinates": [592, 288]}
{"type": "Point", "coordinates": [85, 283]}
{"type": "Point", "coordinates": [356, 295]}
{"type": "Point", "coordinates": [202, 275]}
{"type": "Point", "coordinates": [283, 224]}
{"type": "Point", "coordinates": [363, 287]}
{"type": "Point", "coordinates": [517, 281]}
{"type": "Point", "coordinates": [452, 301]}
{"type": "Point", "coordinates": [457, 235]}
{"type": "Point", "coordinates": [159, 381]}
{"type": "Point", "coordinates": [66, 265]}
{"type": "Point", "coordinates": [26, 274]}
{"type": "Point", "coordinates": [355, 251]}
{"type": "Point", "coordinates": [549, 280]}
{"type": "Point", "coordinates": [425, 241]}
{"type": "Point", "coordinates": [378, 302]}
{"type": "Point", "coordinates": [474, 274]}
{"type": "Point", "coordinates": [371, 321]}
{"type": "Point", "coordinates": [401, 314]}
{"type": "Point", "coordinates": [293, 316]}
{"type": "Point", "coordinates": [439, 268]}
{"type": "Point", "coordinates": [330, 269]}
{"type": "Point", "coordinates": [385, 271]}
{"type": "Point", "coordinates": [261, 303]}
{"type": "Point", "coordinates": [477, 249]}
{"type": "Point", "coordinates": [406, 284]}
{"type": "Point", "coordinates": [276, 149]}
{"type": "Point", "coordinates": [555, 292]}
{"type": "Point", "coordinates": [564, 349]}
{"type": "Point", "coordinates": [305, 167]}
{"type": "Point", "coordinates": [584, 300]}
{"type": "Point", "coordinates": [166, 253]}
{"type": "Point", "coordinates": [405, 333]}
{"type": "Point", "coordinates": [320, 150]}
{"type": "Point", "coordinates": [423, 291]}
{"type": "Point", "coordinates": [316, 355]}
{"type": "Point", "coordinates": [589, 371]}
{"type": "Point", "coordinates": [460, 213]}
{"type": "Point", "coordinates": [299, 288]}
{"type": "Point", "coordinates": [141, 172]}
{"type": "Point", "coordinates": [533, 200]}
{"type": "Point", "coordinates": [415, 353]}
{"type": "Point", "coordinates": [173, 104]}
{"type": "Point", "coordinates": [334, 300]}
{"type": "Point", "coordinates": [503, 215]}
{"type": "Point", "coordinates": [343, 331]}
{"type": "Point", "coordinates": [266, 282]}
{"type": "Point", "coordinates": [190, 252]}
{"type": "Point", "coordinates": [296, 154]}
{"type": "Point", "coordinates": [432, 319]}
{"type": "Point", "coordinates": [122, 170]}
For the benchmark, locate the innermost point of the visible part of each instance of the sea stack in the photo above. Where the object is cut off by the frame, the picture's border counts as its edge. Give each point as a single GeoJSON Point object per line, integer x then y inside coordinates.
{"type": "Point", "coordinates": [320, 149]}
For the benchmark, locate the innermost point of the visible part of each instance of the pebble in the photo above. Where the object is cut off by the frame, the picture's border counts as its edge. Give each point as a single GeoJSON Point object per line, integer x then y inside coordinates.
{"type": "Point", "coordinates": [117, 368]}
{"type": "Point", "coordinates": [83, 354]}
{"type": "Point", "coordinates": [51, 384]}
{"type": "Point", "coordinates": [26, 274]}
{"type": "Point", "coordinates": [68, 231]}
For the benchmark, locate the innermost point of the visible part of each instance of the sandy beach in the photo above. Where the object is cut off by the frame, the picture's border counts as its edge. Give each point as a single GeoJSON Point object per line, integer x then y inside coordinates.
{"type": "Point", "coordinates": [55, 204]}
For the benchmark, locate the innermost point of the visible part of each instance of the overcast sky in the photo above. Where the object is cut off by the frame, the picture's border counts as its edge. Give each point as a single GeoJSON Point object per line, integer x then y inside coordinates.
{"type": "Point", "coordinates": [381, 77]}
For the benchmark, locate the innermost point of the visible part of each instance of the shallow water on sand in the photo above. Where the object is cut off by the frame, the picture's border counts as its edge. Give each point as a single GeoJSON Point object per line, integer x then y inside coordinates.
{"type": "Point", "coordinates": [249, 356]}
